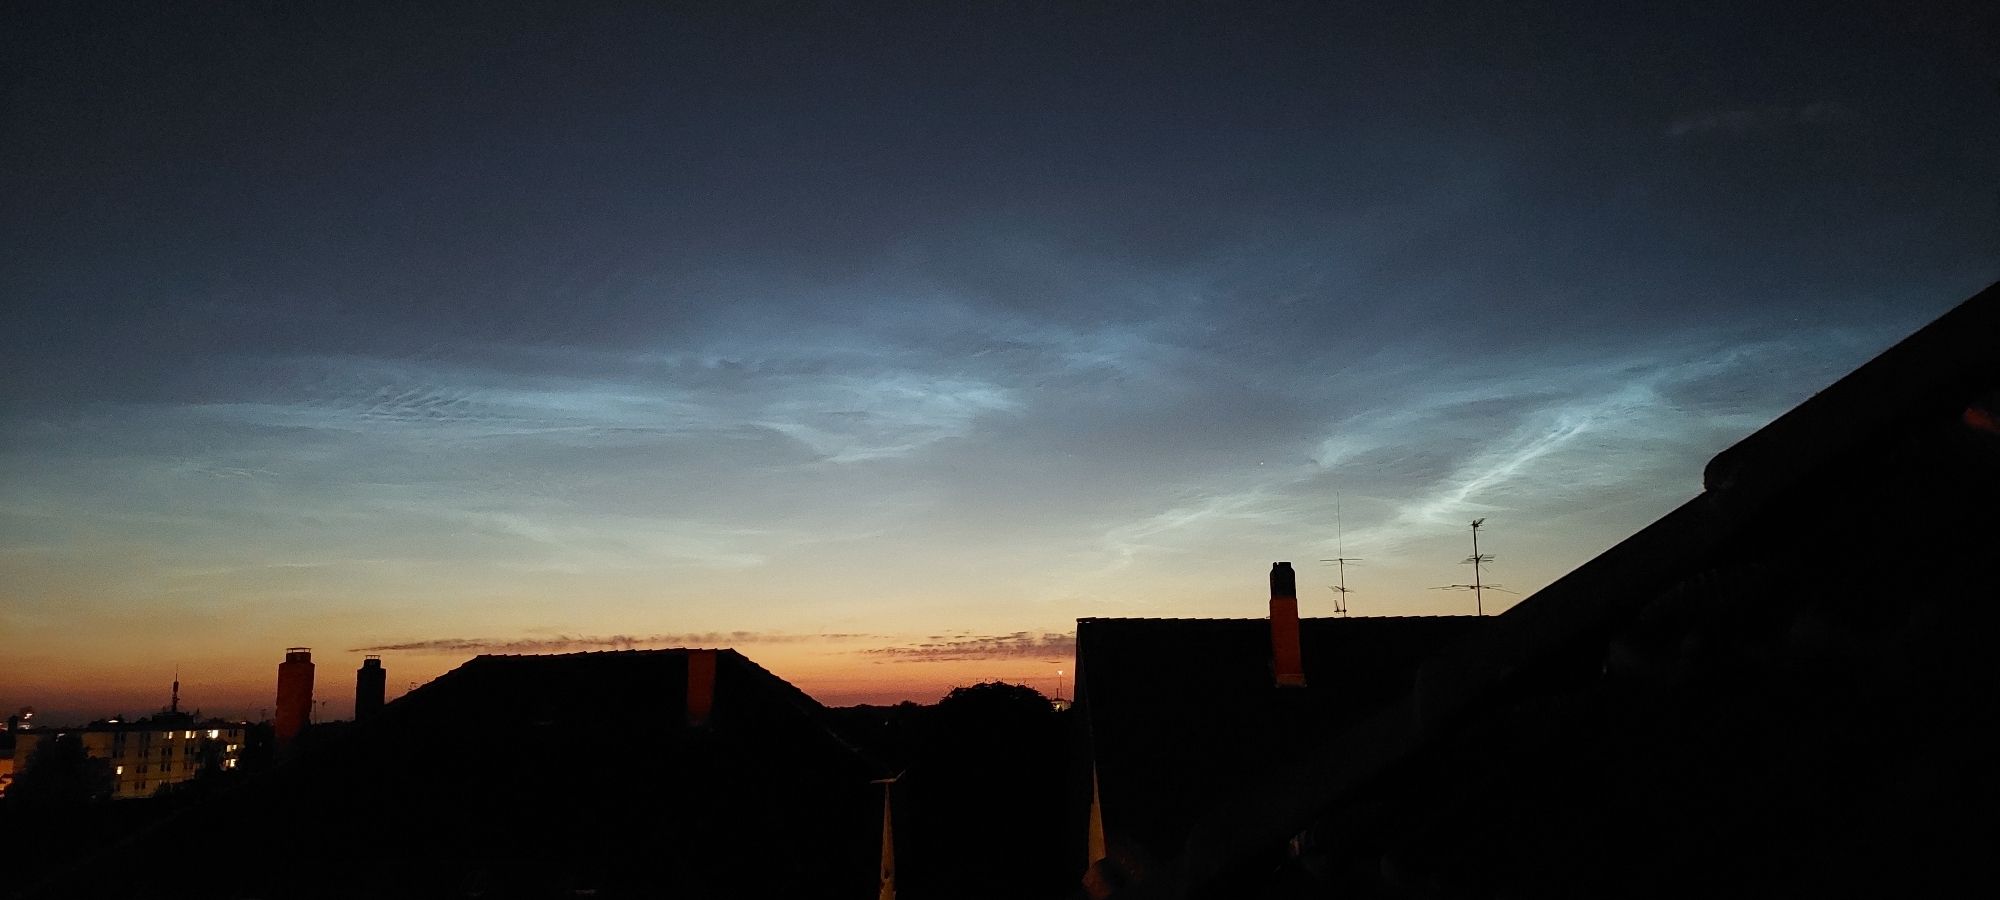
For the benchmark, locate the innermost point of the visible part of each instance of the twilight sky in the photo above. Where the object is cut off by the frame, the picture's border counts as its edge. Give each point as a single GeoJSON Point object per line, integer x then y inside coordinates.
{"type": "Point", "coordinates": [882, 341]}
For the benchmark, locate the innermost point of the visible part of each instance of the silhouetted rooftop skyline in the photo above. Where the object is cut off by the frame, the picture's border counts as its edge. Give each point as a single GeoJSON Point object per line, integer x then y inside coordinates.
{"type": "Point", "coordinates": [889, 339]}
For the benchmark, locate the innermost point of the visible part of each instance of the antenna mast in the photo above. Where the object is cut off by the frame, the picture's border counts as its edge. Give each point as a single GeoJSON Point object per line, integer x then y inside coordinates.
{"type": "Point", "coordinates": [887, 885]}
{"type": "Point", "coordinates": [1478, 587]}
{"type": "Point", "coordinates": [1340, 560]}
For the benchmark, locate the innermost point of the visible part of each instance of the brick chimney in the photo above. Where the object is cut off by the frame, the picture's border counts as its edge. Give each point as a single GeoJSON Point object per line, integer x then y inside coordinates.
{"type": "Point", "coordinates": [1286, 661]}
{"type": "Point", "coordinates": [700, 686]}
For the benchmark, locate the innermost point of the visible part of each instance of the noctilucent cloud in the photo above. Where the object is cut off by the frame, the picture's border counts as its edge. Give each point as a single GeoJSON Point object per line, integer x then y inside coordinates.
{"type": "Point", "coordinates": [882, 341]}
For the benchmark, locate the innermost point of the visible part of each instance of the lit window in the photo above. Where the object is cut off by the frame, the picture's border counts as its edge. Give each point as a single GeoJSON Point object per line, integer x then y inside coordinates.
{"type": "Point", "coordinates": [188, 734]}
{"type": "Point", "coordinates": [214, 733]}
{"type": "Point", "coordinates": [229, 764]}
{"type": "Point", "coordinates": [230, 749]}
{"type": "Point", "coordinates": [121, 771]}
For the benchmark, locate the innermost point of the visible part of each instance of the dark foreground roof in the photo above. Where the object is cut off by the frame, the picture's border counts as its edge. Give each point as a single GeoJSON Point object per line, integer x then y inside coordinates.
{"type": "Point", "coordinates": [1181, 710]}
{"type": "Point", "coordinates": [543, 776]}
{"type": "Point", "coordinates": [1783, 687]}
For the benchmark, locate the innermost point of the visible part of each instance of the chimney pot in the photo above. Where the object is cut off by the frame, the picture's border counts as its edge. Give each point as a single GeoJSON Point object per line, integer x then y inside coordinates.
{"type": "Point", "coordinates": [1284, 582]}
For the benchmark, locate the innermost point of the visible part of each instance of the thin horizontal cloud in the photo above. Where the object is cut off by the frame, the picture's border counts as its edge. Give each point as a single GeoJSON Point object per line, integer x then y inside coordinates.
{"type": "Point", "coordinates": [604, 642]}
{"type": "Point", "coordinates": [1253, 507]}
{"type": "Point", "coordinates": [1019, 645]}
{"type": "Point", "coordinates": [1759, 118]}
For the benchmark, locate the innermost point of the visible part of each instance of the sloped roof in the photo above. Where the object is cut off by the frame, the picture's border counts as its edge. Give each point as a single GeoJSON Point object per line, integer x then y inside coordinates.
{"type": "Point", "coordinates": [1179, 710]}
{"type": "Point", "coordinates": [1741, 608]}
{"type": "Point", "coordinates": [602, 688]}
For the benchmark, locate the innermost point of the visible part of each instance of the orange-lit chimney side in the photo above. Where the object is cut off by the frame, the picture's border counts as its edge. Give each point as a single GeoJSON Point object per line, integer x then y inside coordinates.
{"type": "Point", "coordinates": [370, 685]}
{"type": "Point", "coordinates": [295, 693]}
{"type": "Point", "coordinates": [701, 686]}
{"type": "Point", "coordinates": [1286, 660]}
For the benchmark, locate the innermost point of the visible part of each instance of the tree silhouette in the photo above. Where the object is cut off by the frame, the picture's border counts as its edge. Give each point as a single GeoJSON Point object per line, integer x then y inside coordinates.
{"type": "Point", "coordinates": [984, 795]}
{"type": "Point", "coordinates": [61, 772]}
{"type": "Point", "coordinates": [993, 705]}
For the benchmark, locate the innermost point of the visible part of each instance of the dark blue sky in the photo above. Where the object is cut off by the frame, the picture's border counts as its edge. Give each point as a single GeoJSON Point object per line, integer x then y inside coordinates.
{"type": "Point", "coordinates": [368, 327]}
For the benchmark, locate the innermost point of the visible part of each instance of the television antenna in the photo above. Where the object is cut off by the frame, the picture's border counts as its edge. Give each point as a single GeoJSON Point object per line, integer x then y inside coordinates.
{"type": "Point", "coordinates": [1340, 560]}
{"type": "Point", "coordinates": [1478, 587]}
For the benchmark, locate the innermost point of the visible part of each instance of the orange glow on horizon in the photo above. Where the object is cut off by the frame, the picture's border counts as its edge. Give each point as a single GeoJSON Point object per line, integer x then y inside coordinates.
{"type": "Point", "coordinates": [243, 688]}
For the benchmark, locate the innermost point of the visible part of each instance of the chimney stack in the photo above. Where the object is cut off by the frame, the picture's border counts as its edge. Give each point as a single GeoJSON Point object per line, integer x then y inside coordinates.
{"type": "Point", "coordinates": [1285, 656]}
{"type": "Point", "coordinates": [700, 686]}
{"type": "Point", "coordinates": [295, 694]}
{"type": "Point", "coordinates": [370, 682]}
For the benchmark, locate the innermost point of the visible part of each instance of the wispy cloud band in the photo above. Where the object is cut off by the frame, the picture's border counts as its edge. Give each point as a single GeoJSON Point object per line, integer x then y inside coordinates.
{"type": "Point", "coordinates": [561, 643]}
{"type": "Point", "coordinates": [1744, 120]}
{"type": "Point", "coordinates": [1019, 645]}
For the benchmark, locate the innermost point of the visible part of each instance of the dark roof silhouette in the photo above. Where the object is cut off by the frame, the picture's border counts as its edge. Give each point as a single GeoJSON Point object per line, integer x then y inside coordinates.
{"type": "Point", "coordinates": [1178, 711]}
{"type": "Point", "coordinates": [1780, 688]}
{"type": "Point", "coordinates": [543, 776]}
{"type": "Point", "coordinates": [607, 687]}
